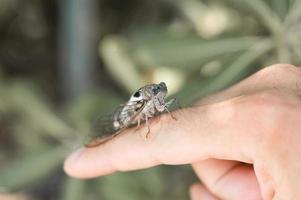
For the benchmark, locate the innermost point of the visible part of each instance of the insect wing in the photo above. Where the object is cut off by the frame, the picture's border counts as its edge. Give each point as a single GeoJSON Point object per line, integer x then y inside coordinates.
{"type": "Point", "coordinates": [130, 111]}
{"type": "Point", "coordinates": [102, 139]}
{"type": "Point", "coordinates": [103, 128]}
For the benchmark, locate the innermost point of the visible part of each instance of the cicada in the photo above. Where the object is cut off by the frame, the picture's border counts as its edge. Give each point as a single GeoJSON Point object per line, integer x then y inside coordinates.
{"type": "Point", "coordinates": [145, 103]}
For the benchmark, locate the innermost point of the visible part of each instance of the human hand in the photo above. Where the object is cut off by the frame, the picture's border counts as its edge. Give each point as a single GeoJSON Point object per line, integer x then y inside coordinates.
{"type": "Point", "coordinates": [243, 143]}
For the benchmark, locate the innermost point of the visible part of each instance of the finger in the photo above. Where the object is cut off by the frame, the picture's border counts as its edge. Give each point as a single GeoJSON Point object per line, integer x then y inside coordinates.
{"type": "Point", "coordinates": [228, 179]}
{"type": "Point", "coordinates": [199, 133]}
{"type": "Point", "coordinates": [199, 192]}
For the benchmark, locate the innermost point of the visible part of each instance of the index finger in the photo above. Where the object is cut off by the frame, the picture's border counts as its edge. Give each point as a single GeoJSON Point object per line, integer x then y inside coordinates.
{"type": "Point", "coordinates": [208, 131]}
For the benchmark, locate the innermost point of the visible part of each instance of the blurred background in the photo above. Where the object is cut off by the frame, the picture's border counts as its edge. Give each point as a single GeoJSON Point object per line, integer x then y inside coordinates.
{"type": "Point", "coordinates": [65, 62]}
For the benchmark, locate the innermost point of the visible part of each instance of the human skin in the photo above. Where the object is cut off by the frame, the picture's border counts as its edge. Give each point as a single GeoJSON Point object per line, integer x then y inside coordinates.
{"type": "Point", "coordinates": [243, 142]}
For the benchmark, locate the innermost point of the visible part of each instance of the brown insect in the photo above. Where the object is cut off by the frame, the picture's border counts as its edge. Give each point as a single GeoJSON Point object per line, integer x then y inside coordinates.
{"type": "Point", "coordinates": [145, 103]}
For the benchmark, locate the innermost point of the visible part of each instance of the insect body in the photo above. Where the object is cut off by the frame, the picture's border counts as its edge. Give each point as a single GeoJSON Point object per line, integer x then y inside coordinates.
{"type": "Point", "coordinates": [145, 103]}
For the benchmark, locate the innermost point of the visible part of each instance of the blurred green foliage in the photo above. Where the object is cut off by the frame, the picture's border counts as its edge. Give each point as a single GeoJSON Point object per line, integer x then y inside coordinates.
{"type": "Point", "coordinates": [198, 47]}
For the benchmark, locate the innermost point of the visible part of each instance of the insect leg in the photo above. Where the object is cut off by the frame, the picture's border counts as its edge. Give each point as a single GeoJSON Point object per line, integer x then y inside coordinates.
{"type": "Point", "coordinates": [139, 120]}
{"type": "Point", "coordinates": [172, 116]}
{"type": "Point", "coordinates": [148, 128]}
{"type": "Point", "coordinates": [138, 123]}
{"type": "Point", "coordinates": [167, 105]}
{"type": "Point", "coordinates": [170, 102]}
{"type": "Point", "coordinates": [166, 108]}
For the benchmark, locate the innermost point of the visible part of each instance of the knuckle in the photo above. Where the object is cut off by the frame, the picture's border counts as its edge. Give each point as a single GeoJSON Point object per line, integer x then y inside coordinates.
{"type": "Point", "coordinates": [279, 70]}
{"type": "Point", "coordinates": [273, 111]}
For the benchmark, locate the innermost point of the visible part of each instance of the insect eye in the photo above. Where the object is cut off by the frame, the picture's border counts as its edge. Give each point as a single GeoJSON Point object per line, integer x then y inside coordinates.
{"type": "Point", "coordinates": [156, 90]}
{"type": "Point", "coordinates": [137, 94]}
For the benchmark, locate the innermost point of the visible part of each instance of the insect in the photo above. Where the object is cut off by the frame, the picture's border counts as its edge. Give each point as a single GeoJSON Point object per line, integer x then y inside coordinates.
{"type": "Point", "coordinates": [145, 103]}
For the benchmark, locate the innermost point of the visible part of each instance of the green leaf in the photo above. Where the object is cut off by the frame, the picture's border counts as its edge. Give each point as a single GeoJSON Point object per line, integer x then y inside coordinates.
{"type": "Point", "coordinates": [73, 189]}
{"type": "Point", "coordinates": [294, 14]}
{"type": "Point", "coordinates": [187, 53]}
{"type": "Point", "coordinates": [280, 7]}
{"type": "Point", "coordinates": [230, 75]}
{"type": "Point", "coordinates": [261, 10]}
{"type": "Point", "coordinates": [82, 111]}
{"type": "Point", "coordinates": [297, 53]}
{"type": "Point", "coordinates": [114, 52]}
{"type": "Point", "coordinates": [146, 184]}
{"type": "Point", "coordinates": [22, 99]}
{"type": "Point", "coordinates": [30, 169]}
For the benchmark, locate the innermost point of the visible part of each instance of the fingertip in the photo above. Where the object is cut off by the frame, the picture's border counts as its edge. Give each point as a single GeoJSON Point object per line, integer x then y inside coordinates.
{"type": "Point", "coordinates": [71, 162]}
{"type": "Point", "coordinates": [86, 163]}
